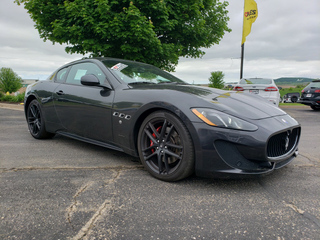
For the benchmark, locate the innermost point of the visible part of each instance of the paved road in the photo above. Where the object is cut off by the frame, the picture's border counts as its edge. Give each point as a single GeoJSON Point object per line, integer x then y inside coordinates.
{"type": "Point", "coordinates": [65, 189]}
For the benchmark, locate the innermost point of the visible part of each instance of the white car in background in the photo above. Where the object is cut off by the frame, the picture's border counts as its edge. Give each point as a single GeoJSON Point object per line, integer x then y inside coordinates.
{"type": "Point", "coordinates": [264, 87]}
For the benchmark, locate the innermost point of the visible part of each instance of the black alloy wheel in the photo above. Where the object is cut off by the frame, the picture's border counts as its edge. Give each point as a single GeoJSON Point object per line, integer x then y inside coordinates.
{"type": "Point", "coordinates": [35, 121]}
{"type": "Point", "coordinates": [165, 147]}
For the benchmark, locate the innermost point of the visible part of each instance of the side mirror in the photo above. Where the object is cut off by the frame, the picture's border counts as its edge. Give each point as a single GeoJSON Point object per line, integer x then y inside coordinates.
{"type": "Point", "coordinates": [90, 80]}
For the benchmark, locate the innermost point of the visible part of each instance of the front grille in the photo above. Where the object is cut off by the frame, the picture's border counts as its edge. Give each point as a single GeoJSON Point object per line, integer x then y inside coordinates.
{"type": "Point", "coordinates": [283, 143]}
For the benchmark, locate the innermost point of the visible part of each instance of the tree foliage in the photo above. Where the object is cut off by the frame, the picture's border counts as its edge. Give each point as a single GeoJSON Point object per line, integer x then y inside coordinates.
{"type": "Point", "coordinates": [216, 80]}
{"type": "Point", "coordinates": [152, 31]}
{"type": "Point", "coordinates": [9, 80]}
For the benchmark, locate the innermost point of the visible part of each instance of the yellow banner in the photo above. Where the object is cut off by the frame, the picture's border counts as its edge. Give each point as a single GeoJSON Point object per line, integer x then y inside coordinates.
{"type": "Point", "coordinates": [250, 15]}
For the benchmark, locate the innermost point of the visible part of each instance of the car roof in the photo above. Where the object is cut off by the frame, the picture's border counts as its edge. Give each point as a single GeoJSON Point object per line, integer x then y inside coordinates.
{"type": "Point", "coordinates": [100, 59]}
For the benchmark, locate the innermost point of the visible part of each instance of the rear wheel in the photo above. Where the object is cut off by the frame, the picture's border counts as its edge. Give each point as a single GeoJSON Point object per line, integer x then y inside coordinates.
{"type": "Point", "coordinates": [35, 121]}
{"type": "Point", "coordinates": [315, 108]}
{"type": "Point", "coordinates": [165, 147]}
{"type": "Point", "coordinates": [294, 99]}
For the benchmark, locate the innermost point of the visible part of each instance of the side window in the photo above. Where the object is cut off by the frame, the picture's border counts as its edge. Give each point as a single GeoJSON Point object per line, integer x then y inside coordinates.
{"type": "Point", "coordinates": [61, 75]}
{"type": "Point", "coordinates": [81, 69]}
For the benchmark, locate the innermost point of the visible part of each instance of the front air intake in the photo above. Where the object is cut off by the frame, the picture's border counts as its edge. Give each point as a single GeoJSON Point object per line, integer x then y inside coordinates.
{"type": "Point", "coordinates": [283, 144]}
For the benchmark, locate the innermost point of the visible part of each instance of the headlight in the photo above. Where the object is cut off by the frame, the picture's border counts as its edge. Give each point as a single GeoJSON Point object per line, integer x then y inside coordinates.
{"type": "Point", "coordinates": [220, 119]}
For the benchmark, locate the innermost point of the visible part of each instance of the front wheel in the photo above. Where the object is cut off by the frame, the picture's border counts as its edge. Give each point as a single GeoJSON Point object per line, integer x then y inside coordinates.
{"type": "Point", "coordinates": [165, 147]}
{"type": "Point", "coordinates": [35, 121]}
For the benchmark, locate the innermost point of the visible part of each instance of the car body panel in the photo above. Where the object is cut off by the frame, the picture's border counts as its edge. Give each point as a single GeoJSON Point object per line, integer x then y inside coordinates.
{"type": "Point", "coordinates": [85, 111]}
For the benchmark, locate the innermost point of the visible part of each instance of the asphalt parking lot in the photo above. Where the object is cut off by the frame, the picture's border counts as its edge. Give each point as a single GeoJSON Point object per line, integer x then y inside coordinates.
{"type": "Point", "coordinates": [65, 189]}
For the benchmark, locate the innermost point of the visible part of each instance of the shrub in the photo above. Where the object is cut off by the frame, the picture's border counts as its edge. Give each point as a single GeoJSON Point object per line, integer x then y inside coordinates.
{"type": "Point", "coordinates": [8, 98]}
{"type": "Point", "coordinates": [11, 98]}
{"type": "Point", "coordinates": [20, 97]}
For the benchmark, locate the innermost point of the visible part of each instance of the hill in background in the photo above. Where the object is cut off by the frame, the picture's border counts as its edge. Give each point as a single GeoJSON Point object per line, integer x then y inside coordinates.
{"type": "Point", "coordinates": [293, 81]}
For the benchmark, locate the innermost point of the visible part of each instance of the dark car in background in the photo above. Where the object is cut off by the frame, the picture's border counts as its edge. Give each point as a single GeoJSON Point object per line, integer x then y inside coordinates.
{"type": "Point", "coordinates": [176, 128]}
{"type": "Point", "coordinates": [291, 97]}
{"type": "Point", "coordinates": [310, 95]}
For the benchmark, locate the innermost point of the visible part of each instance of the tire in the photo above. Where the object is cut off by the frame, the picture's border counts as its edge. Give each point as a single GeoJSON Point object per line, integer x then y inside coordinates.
{"type": "Point", "coordinates": [165, 147]}
{"type": "Point", "coordinates": [36, 122]}
{"type": "Point", "coordinates": [315, 108]}
{"type": "Point", "coordinates": [294, 99]}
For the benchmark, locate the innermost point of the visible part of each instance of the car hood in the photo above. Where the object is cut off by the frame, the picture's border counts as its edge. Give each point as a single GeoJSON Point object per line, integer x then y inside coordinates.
{"type": "Point", "coordinates": [234, 103]}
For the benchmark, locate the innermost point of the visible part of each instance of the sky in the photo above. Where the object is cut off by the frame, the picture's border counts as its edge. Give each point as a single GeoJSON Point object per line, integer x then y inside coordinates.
{"type": "Point", "coordinates": [284, 42]}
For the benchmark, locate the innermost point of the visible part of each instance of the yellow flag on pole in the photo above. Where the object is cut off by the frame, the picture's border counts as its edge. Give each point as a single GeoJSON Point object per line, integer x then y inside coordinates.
{"type": "Point", "coordinates": [250, 15]}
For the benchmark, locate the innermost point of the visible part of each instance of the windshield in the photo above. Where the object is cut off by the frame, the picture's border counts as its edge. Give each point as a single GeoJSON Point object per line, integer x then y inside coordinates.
{"type": "Point", "coordinates": [256, 81]}
{"type": "Point", "coordinates": [135, 72]}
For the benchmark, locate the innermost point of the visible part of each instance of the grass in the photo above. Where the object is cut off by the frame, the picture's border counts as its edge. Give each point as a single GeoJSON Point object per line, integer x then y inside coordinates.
{"type": "Point", "coordinates": [290, 104]}
{"type": "Point", "coordinates": [298, 89]}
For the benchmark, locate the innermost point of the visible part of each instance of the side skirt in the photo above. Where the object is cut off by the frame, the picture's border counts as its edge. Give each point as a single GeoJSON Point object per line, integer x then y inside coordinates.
{"type": "Point", "coordinates": [83, 139]}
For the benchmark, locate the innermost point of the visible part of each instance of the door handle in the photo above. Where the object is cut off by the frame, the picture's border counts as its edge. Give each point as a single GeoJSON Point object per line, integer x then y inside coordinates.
{"type": "Point", "coordinates": [60, 92]}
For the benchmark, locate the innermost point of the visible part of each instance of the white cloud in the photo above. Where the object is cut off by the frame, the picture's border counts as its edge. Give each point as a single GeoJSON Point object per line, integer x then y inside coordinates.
{"type": "Point", "coordinates": [22, 49]}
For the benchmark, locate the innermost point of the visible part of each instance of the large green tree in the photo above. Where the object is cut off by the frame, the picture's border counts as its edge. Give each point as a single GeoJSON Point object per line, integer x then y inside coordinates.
{"type": "Point", "coordinates": [153, 31]}
{"type": "Point", "coordinates": [9, 80]}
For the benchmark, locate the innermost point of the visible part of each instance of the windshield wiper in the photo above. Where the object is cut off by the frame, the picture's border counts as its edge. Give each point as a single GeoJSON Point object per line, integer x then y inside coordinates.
{"type": "Point", "coordinates": [172, 83]}
{"type": "Point", "coordinates": [167, 82]}
{"type": "Point", "coordinates": [142, 82]}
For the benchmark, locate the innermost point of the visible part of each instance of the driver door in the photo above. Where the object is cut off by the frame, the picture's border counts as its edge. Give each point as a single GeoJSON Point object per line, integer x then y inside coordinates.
{"type": "Point", "coordinates": [85, 110]}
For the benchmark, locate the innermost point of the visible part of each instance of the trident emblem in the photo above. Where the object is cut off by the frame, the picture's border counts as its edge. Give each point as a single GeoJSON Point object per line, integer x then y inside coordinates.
{"type": "Point", "coordinates": [286, 141]}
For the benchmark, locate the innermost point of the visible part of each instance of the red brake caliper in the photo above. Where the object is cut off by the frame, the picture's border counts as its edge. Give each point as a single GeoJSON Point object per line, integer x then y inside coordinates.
{"type": "Point", "coordinates": [154, 135]}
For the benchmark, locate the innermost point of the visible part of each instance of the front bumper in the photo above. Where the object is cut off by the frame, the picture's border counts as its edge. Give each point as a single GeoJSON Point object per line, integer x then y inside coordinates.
{"type": "Point", "coordinates": [225, 153]}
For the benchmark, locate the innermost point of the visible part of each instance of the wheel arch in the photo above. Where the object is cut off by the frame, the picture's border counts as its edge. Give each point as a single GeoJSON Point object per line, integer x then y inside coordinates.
{"type": "Point", "coordinates": [27, 102]}
{"type": "Point", "coordinates": [173, 110]}
{"type": "Point", "coordinates": [138, 124]}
